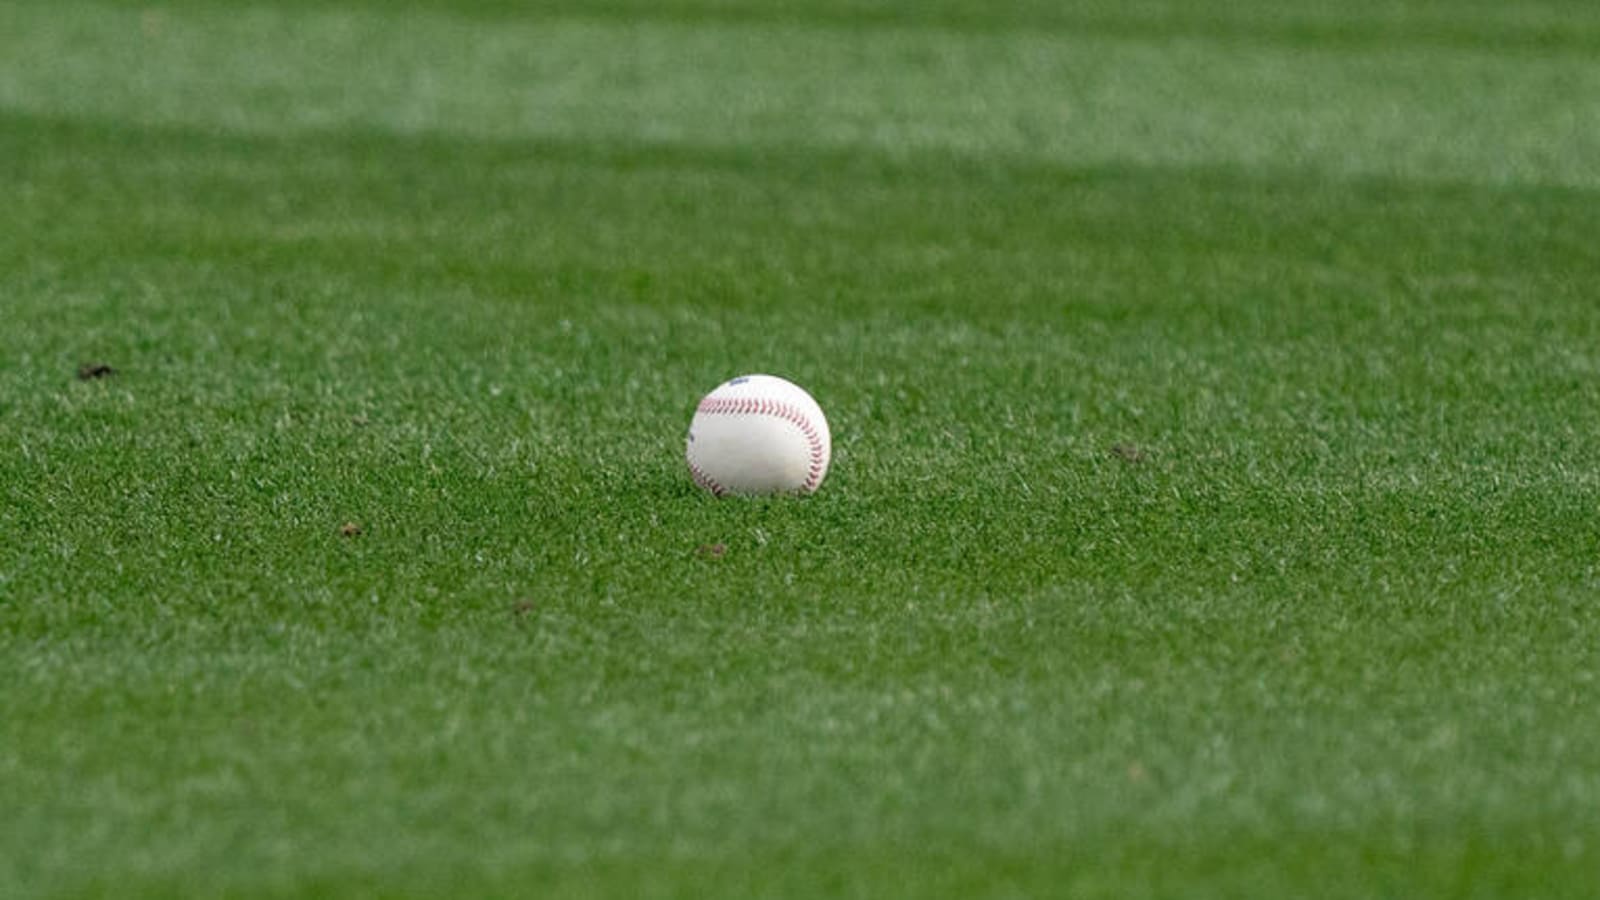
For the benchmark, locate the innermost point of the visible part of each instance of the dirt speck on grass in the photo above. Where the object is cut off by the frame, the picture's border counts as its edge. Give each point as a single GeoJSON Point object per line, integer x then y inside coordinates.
{"type": "Point", "coordinates": [521, 609]}
{"type": "Point", "coordinates": [711, 551]}
{"type": "Point", "coordinates": [1137, 773]}
{"type": "Point", "coordinates": [91, 371]}
{"type": "Point", "coordinates": [1128, 453]}
{"type": "Point", "coordinates": [350, 530]}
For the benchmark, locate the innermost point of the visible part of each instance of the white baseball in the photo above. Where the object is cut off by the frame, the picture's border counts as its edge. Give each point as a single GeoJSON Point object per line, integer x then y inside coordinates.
{"type": "Point", "coordinates": [758, 434]}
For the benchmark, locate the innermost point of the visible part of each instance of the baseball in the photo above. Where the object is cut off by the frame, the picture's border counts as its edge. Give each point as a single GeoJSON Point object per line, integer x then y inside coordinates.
{"type": "Point", "coordinates": [758, 434]}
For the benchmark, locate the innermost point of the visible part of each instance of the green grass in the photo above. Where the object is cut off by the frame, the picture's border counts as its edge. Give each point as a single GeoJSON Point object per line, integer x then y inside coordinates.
{"type": "Point", "coordinates": [459, 275]}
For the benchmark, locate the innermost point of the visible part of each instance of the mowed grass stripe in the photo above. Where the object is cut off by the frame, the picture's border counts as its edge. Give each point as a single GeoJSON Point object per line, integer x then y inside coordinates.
{"type": "Point", "coordinates": [985, 420]}
{"type": "Point", "coordinates": [1079, 98]}
{"type": "Point", "coordinates": [1545, 26]}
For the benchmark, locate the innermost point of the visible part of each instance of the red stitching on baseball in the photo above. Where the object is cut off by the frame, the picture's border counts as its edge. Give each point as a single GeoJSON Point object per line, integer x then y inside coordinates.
{"type": "Point", "coordinates": [706, 481]}
{"type": "Point", "coordinates": [733, 406]}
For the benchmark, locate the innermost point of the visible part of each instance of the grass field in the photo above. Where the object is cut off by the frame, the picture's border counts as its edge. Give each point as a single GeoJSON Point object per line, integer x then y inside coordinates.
{"type": "Point", "coordinates": [457, 273]}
